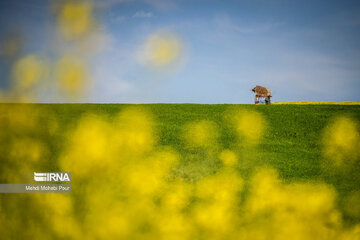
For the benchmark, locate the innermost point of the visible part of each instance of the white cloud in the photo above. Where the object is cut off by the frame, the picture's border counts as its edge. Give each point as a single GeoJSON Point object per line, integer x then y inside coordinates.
{"type": "Point", "coordinates": [143, 14]}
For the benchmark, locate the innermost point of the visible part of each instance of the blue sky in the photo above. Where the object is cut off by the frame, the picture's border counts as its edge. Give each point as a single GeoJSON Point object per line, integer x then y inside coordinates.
{"type": "Point", "coordinates": [301, 50]}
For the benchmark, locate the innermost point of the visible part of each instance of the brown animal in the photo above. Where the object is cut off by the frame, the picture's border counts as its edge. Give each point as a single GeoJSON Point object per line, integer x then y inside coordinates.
{"type": "Point", "coordinates": [262, 92]}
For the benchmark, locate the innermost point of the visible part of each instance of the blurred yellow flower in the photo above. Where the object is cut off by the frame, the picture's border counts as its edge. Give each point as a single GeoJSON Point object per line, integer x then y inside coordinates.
{"type": "Point", "coordinates": [228, 158]}
{"type": "Point", "coordinates": [71, 74]}
{"type": "Point", "coordinates": [76, 19]}
{"type": "Point", "coordinates": [162, 49]}
{"type": "Point", "coordinates": [251, 125]}
{"type": "Point", "coordinates": [27, 72]}
{"type": "Point", "coordinates": [133, 131]}
{"type": "Point", "coordinates": [341, 141]}
{"type": "Point", "coordinates": [176, 196]}
{"type": "Point", "coordinates": [87, 146]}
{"type": "Point", "coordinates": [295, 210]}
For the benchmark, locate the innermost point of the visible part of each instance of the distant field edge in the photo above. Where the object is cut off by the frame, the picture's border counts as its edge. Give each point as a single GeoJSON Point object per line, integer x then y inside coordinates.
{"type": "Point", "coordinates": [319, 103]}
{"type": "Point", "coordinates": [155, 103]}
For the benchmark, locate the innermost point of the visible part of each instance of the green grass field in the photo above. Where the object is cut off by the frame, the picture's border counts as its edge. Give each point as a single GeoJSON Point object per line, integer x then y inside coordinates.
{"type": "Point", "coordinates": [292, 143]}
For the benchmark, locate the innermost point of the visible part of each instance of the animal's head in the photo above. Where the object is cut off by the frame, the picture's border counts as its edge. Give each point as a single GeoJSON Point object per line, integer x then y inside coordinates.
{"type": "Point", "coordinates": [253, 89]}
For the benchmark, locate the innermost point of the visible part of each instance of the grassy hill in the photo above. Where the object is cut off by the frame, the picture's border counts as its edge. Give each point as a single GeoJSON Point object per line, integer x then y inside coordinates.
{"type": "Point", "coordinates": [299, 146]}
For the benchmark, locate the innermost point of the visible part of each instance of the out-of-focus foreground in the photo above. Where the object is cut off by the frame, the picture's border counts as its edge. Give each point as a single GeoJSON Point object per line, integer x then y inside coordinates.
{"type": "Point", "coordinates": [183, 171]}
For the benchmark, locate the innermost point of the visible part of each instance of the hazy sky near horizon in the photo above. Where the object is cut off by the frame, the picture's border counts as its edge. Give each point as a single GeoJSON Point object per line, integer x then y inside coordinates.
{"type": "Point", "coordinates": [302, 50]}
